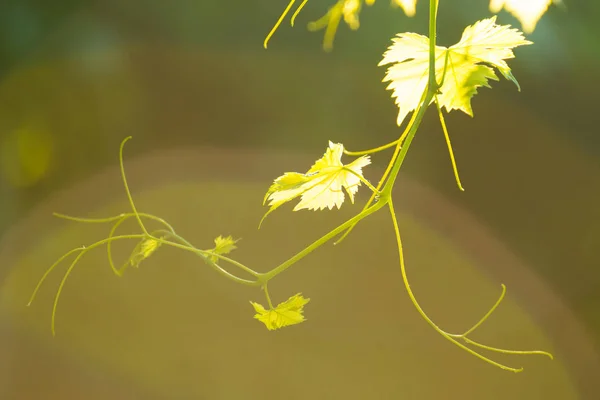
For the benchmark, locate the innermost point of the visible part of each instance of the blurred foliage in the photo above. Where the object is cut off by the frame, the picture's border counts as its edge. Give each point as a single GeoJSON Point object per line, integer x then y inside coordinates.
{"type": "Point", "coordinates": [565, 50]}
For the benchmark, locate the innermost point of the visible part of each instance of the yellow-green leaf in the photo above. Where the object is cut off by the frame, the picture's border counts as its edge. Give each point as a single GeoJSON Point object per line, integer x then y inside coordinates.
{"type": "Point", "coordinates": [223, 245]}
{"type": "Point", "coordinates": [144, 249]}
{"type": "Point", "coordinates": [290, 312]}
{"type": "Point", "coordinates": [466, 65]}
{"type": "Point", "coordinates": [528, 12]}
{"type": "Point", "coordinates": [322, 186]}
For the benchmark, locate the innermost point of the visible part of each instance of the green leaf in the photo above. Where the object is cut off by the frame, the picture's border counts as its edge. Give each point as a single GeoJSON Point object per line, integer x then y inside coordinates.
{"type": "Point", "coordinates": [290, 312]}
{"type": "Point", "coordinates": [463, 67]}
{"type": "Point", "coordinates": [223, 245]}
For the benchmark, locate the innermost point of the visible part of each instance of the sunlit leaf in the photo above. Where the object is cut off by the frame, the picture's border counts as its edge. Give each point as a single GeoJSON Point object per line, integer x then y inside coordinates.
{"type": "Point", "coordinates": [528, 12]}
{"type": "Point", "coordinates": [468, 65]}
{"type": "Point", "coordinates": [290, 312]}
{"type": "Point", "coordinates": [322, 186]}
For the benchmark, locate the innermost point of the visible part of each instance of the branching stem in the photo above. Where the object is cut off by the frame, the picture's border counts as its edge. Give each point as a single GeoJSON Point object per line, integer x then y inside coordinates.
{"type": "Point", "coordinates": [381, 196]}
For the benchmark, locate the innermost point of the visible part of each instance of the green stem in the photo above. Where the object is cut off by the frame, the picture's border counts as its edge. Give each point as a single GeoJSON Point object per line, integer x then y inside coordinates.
{"type": "Point", "coordinates": [398, 144]}
{"type": "Point", "coordinates": [433, 8]}
{"type": "Point", "coordinates": [266, 290]}
{"type": "Point", "coordinates": [389, 184]}
{"type": "Point", "coordinates": [318, 243]}
{"type": "Point", "coordinates": [429, 93]}
{"type": "Point", "coordinates": [214, 265]}
{"type": "Point", "coordinates": [387, 189]}
{"type": "Point", "coordinates": [220, 256]}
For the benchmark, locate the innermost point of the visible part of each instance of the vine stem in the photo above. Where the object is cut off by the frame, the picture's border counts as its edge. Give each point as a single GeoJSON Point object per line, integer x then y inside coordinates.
{"type": "Point", "coordinates": [403, 146]}
{"type": "Point", "coordinates": [319, 242]}
{"type": "Point", "coordinates": [185, 245]}
{"type": "Point", "coordinates": [383, 190]}
{"type": "Point", "coordinates": [398, 144]}
{"type": "Point", "coordinates": [266, 290]}
{"type": "Point", "coordinates": [432, 87]}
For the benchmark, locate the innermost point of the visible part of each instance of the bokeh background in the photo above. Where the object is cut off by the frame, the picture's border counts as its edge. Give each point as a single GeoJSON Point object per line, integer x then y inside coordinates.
{"type": "Point", "coordinates": [215, 118]}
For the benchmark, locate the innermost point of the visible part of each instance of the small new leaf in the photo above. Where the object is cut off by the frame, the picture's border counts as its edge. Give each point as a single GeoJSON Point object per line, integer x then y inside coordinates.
{"type": "Point", "coordinates": [144, 249]}
{"type": "Point", "coordinates": [223, 245]}
{"type": "Point", "coordinates": [322, 186]}
{"type": "Point", "coordinates": [290, 312]}
{"type": "Point", "coordinates": [463, 67]}
{"type": "Point", "coordinates": [528, 12]}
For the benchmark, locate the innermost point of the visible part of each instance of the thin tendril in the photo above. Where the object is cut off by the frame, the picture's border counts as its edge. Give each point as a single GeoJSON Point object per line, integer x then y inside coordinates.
{"type": "Point", "coordinates": [49, 270]}
{"type": "Point", "coordinates": [60, 287]}
{"type": "Point", "coordinates": [82, 250]}
{"type": "Point", "coordinates": [137, 215]}
{"type": "Point", "coordinates": [112, 219]}
{"type": "Point", "coordinates": [418, 306]}
{"type": "Point", "coordinates": [89, 220]}
{"type": "Point", "coordinates": [118, 272]}
{"type": "Point", "coordinates": [363, 180]}
{"type": "Point", "coordinates": [300, 7]}
{"type": "Point", "coordinates": [487, 315]}
{"type": "Point", "coordinates": [371, 151]}
{"type": "Point", "coordinates": [449, 144]}
{"type": "Point", "coordinates": [505, 351]}
{"type": "Point", "coordinates": [441, 83]}
{"type": "Point", "coordinates": [279, 21]}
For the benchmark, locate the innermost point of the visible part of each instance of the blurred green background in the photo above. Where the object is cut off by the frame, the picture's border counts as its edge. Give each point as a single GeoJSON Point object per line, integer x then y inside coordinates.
{"type": "Point", "coordinates": [215, 118]}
